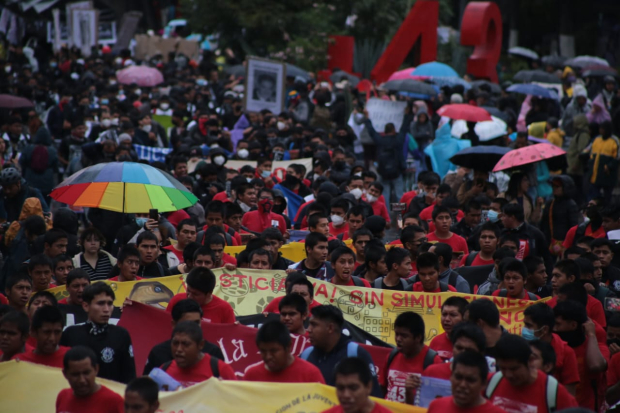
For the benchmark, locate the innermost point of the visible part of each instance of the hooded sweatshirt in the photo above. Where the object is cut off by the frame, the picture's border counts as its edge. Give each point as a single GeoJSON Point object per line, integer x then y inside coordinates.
{"type": "Point", "coordinates": [601, 115]}
{"type": "Point", "coordinates": [423, 132]}
{"type": "Point", "coordinates": [490, 285]}
{"type": "Point", "coordinates": [44, 180]}
{"type": "Point", "coordinates": [560, 213]}
{"type": "Point", "coordinates": [580, 141]}
{"type": "Point", "coordinates": [573, 109]}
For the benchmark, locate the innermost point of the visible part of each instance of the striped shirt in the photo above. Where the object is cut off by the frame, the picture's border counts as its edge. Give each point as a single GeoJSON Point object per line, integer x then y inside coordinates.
{"type": "Point", "coordinates": [102, 270]}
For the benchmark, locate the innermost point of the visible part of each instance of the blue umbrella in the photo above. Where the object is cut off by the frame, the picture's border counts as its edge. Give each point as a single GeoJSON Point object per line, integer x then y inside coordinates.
{"type": "Point", "coordinates": [534, 90]}
{"type": "Point", "coordinates": [435, 69]}
{"type": "Point", "coordinates": [450, 81]}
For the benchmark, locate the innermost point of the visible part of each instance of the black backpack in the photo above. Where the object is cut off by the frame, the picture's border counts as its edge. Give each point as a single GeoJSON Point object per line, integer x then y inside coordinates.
{"type": "Point", "coordinates": [451, 280]}
{"type": "Point", "coordinates": [389, 158]}
{"type": "Point", "coordinates": [379, 280]}
{"type": "Point", "coordinates": [215, 369]}
{"type": "Point", "coordinates": [357, 281]}
{"type": "Point", "coordinates": [504, 293]}
{"type": "Point", "coordinates": [470, 258]}
{"type": "Point", "coordinates": [428, 360]}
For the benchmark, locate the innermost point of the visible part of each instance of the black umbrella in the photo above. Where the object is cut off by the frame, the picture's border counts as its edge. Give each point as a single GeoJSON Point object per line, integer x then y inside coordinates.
{"type": "Point", "coordinates": [555, 61]}
{"type": "Point", "coordinates": [480, 158]}
{"type": "Point", "coordinates": [411, 86]}
{"type": "Point", "coordinates": [599, 73]}
{"type": "Point", "coordinates": [338, 75]}
{"type": "Point", "coordinates": [294, 71]}
{"type": "Point", "coordinates": [495, 88]}
{"type": "Point", "coordinates": [497, 113]}
{"type": "Point", "coordinates": [536, 76]}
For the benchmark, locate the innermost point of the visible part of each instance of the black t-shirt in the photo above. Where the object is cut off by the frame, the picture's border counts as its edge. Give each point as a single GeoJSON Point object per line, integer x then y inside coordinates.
{"type": "Point", "coordinates": [397, 287]}
{"type": "Point", "coordinates": [310, 272]}
{"type": "Point", "coordinates": [162, 353]}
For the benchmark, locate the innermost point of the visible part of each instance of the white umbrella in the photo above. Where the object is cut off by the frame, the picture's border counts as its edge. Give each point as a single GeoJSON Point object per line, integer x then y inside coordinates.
{"type": "Point", "coordinates": [584, 61]}
{"type": "Point", "coordinates": [523, 52]}
{"type": "Point", "coordinates": [486, 131]}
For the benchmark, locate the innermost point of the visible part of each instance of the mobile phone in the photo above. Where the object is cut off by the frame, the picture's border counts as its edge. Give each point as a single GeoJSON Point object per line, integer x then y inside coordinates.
{"type": "Point", "coordinates": [612, 304]}
{"type": "Point", "coordinates": [154, 214]}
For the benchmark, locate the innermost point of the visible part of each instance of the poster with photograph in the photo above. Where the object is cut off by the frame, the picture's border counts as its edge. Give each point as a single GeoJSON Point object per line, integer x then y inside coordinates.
{"type": "Point", "coordinates": [85, 29]}
{"type": "Point", "coordinates": [264, 85]}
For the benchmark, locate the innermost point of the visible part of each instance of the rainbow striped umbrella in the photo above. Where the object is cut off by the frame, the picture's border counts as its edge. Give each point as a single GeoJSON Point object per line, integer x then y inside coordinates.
{"type": "Point", "coordinates": [124, 187]}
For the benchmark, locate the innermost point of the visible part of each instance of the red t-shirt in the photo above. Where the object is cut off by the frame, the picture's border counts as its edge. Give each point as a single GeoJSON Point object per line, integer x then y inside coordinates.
{"type": "Point", "coordinates": [199, 372]}
{"type": "Point", "coordinates": [417, 287]}
{"type": "Point", "coordinates": [274, 305]}
{"type": "Point", "coordinates": [51, 360]}
{"type": "Point", "coordinates": [379, 209]}
{"type": "Point", "coordinates": [300, 371]}
{"type": "Point", "coordinates": [103, 400]}
{"type": "Point", "coordinates": [526, 296]}
{"type": "Point", "coordinates": [531, 398]}
{"type": "Point", "coordinates": [566, 370]}
{"type": "Point", "coordinates": [594, 308]}
{"type": "Point", "coordinates": [399, 370]}
{"type": "Point", "coordinates": [227, 259]}
{"type": "Point", "coordinates": [176, 252]}
{"type": "Point", "coordinates": [377, 409]}
{"type": "Point", "coordinates": [116, 278]}
{"type": "Point", "coordinates": [335, 231]}
{"type": "Point", "coordinates": [477, 261]}
{"type": "Point", "coordinates": [439, 371]}
{"type": "Point", "coordinates": [216, 311]}
{"type": "Point", "coordinates": [447, 405]}
{"type": "Point", "coordinates": [407, 197]}
{"type": "Point", "coordinates": [236, 238]}
{"type": "Point", "coordinates": [613, 370]}
{"type": "Point", "coordinates": [3, 299]}
{"type": "Point", "coordinates": [590, 382]}
{"type": "Point", "coordinates": [457, 242]}
{"type": "Point", "coordinates": [253, 221]}
{"type": "Point", "coordinates": [442, 345]}
{"type": "Point", "coordinates": [351, 283]}
{"type": "Point", "coordinates": [427, 215]}
{"type": "Point", "coordinates": [569, 240]}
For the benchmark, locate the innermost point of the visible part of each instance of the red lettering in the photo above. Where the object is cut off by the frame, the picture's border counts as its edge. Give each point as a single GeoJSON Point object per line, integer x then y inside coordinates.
{"type": "Point", "coordinates": [482, 27]}
{"type": "Point", "coordinates": [397, 300]}
{"type": "Point", "coordinates": [435, 302]}
{"type": "Point", "coordinates": [417, 299]}
{"type": "Point", "coordinates": [322, 290]}
{"type": "Point", "coordinates": [356, 297]}
{"type": "Point", "coordinates": [519, 317]}
{"type": "Point", "coordinates": [375, 298]}
{"type": "Point", "coordinates": [266, 287]}
{"type": "Point", "coordinates": [225, 281]}
{"type": "Point", "coordinates": [333, 294]}
{"type": "Point", "coordinates": [506, 317]}
{"type": "Point", "coordinates": [499, 302]}
{"type": "Point", "coordinates": [241, 278]}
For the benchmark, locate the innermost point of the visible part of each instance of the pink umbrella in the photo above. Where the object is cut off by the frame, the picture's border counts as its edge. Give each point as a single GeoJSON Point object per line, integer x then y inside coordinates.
{"type": "Point", "coordinates": [465, 112]}
{"type": "Point", "coordinates": [141, 75]}
{"type": "Point", "coordinates": [527, 155]}
{"type": "Point", "coordinates": [402, 74]}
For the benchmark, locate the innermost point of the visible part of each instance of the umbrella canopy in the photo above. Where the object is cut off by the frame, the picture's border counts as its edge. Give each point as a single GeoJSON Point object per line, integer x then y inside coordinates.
{"type": "Point", "coordinates": [480, 158]}
{"type": "Point", "coordinates": [495, 88]}
{"type": "Point", "coordinates": [341, 74]}
{"type": "Point", "coordinates": [584, 61]}
{"type": "Point", "coordinates": [445, 81]}
{"type": "Point", "coordinates": [235, 70]}
{"type": "Point", "coordinates": [14, 102]}
{"type": "Point", "coordinates": [410, 85]}
{"type": "Point", "coordinates": [402, 74]}
{"type": "Point", "coordinates": [599, 71]}
{"type": "Point", "coordinates": [465, 112]}
{"type": "Point", "coordinates": [496, 112]}
{"type": "Point", "coordinates": [435, 69]}
{"type": "Point", "coordinates": [486, 131]}
{"type": "Point", "coordinates": [295, 71]}
{"type": "Point", "coordinates": [534, 90]}
{"type": "Point", "coordinates": [527, 155]}
{"type": "Point", "coordinates": [141, 75]}
{"type": "Point", "coordinates": [124, 187]}
{"type": "Point", "coordinates": [555, 61]}
{"type": "Point", "coordinates": [536, 76]}
{"type": "Point", "coordinates": [523, 52]}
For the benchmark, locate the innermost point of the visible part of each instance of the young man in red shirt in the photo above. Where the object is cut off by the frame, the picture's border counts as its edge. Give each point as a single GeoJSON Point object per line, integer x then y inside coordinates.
{"type": "Point", "coordinates": [443, 220]}
{"type": "Point", "coordinates": [142, 396]}
{"type": "Point", "coordinates": [488, 239]}
{"type": "Point", "coordinates": [293, 312]}
{"type": "Point", "coordinates": [343, 262]}
{"type": "Point", "coordinates": [378, 207]}
{"type": "Point", "coordinates": [595, 226]}
{"type": "Point", "coordinates": [519, 386]}
{"type": "Point", "coordinates": [214, 217]}
{"type": "Point", "coordinates": [361, 238]}
{"type": "Point", "coordinates": [190, 365]}
{"type": "Point", "coordinates": [538, 323]}
{"type": "Point", "coordinates": [452, 312]}
{"type": "Point", "coordinates": [263, 217]}
{"type": "Point", "coordinates": [401, 374]}
{"type": "Point", "coordinates": [40, 271]}
{"type": "Point", "coordinates": [579, 332]}
{"type": "Point", "coordinates": [428, 275]}
{"type": "Point", "coordinates": [77, 281]}
{"type": "Point", "coordinates": [216, 243]}
{"type": "Point", "coordinates": [128, 264]}
{"type": "Point", "coordinates": [14, 327]}
{"type": "Point", "coordinates": [186, 234]}
{"type": "Point", "coordinates": [46, 329]}
{"type": "Point", "coordinates": [200, 283]}
{"type": "Point", "coordinates": [398, 264]}
{"type": "Point", "coordinates": [354, 385]}
{"type": "Point", "coordinates": [355, 221]}
{"type": "Point", "coordinates": [338, 224]}
{"type": "Point", "coordinates": [80, 368]}
{"type": "Point", "coordinates": [295, 283]}
{"type": "Point", "coordinates": [513, 275]}
{"type": "Point", "coordinates": [279, 365]}
{"type": "Point", "coordinates": [468, 380]}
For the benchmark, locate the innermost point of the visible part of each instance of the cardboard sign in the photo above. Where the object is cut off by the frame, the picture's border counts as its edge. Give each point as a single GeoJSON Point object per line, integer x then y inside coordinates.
{"type": "Point", "coordinates": [381, 112]}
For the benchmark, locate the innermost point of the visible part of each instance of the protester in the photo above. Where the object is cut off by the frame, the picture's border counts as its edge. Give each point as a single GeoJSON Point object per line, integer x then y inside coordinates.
{"type": "Point", "coordinates": [46, 329]}
{"type": "Point", "coordinates": [141, 396]}
{"type": "Point", "coordinates": [14, 330]}
{"type": "Point", "coordinates": [315, 264]}
{"type": "Point", "coordinates": [452, 312]}
{"type": "Point", "coordinates": [77, 281]}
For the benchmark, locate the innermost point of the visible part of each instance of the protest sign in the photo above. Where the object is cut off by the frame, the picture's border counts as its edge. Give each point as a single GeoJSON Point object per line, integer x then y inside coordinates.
{"type": "Point", "coordinates": [382, 112]}
{"type": "Point", "coordinates": [212, 395]}
{"type": "Point", "coordinates": [430, 389]}
{"type": "Point", "coordinates": [151, 154]}
{"type": "Point", "coordinates": [372, 310]}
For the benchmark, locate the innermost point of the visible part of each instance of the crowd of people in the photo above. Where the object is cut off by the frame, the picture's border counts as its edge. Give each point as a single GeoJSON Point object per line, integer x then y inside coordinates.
{"type": "Point", "coordinates": [529, 235]}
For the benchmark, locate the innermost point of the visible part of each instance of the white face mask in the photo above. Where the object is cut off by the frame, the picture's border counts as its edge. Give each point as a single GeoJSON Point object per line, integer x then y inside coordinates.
{"type": "Point", "coordinates": [371, 198]}
{"type": "Point", "coordinates": [243, 153]}
{"type": "Point", "coordinates": [114, 121]}
{"type": "Point", "coordinates": [219, 160]}
{"type": "Point", "coordinates": [7, 69]}
{"type": "Point", "coordinates": [164, 106]}
{"type": "Point", "coordinates": [316, 176]}
{"type": "Point", "coordinates": [112, 82]}
{"type": "Point", "coordinates": [357, 193]}
{"type": "Point", "coordinates": [138, 91]}
{"type": "Point", "coordinates": [147, 128]}
{"type": "Point", "coordinates": [106, 123]}
{"type": "Point", "coordinates": [281, 125]}
{"type": "Point", "coordinates": [337, 220]}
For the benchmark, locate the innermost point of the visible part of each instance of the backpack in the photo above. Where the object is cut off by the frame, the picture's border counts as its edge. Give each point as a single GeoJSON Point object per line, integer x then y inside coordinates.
{"type": "Point", "coordinates": [215, 369]}
{"type": "Point", "coordinates": [470, 258]}
{"type": "Point", "coordinates": [351, 351]}
{"type": "Point", "coordinates": [357, 281]}
{"type": "Point", "coordinates": [504, 293]}
{"type": "Point", "coordinates": [580, 231]}
{"type": "Point", "coordinates": [428, 360]}
{"type": "Point", "coordinates": [229, 240]}
{"type": "Point", "coordinates": [552, 390]}
{"type": "Point", "coordinates": [452, 278]}
{"type": "Point", "coordinates": [379, 280]}
{"type": "Point", "coordinates": [39, 159]}
{"type": "Point", "coordinates": [389, 158]}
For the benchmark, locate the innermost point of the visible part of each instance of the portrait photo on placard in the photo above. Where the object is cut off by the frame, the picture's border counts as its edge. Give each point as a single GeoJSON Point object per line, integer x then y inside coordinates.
{"type": "Point", "coordinates": [265, 85]}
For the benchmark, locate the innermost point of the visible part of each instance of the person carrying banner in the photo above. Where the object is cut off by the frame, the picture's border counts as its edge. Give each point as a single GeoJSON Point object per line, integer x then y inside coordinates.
{"type": "Point", "coordinates": [343, 262]}
{"type": "Point", "coordinates": [46, 329]}
{"type": "Point", "coordinates": [295, 283]}
{"type": "Point", "coordinates": [128, 264]}
{"type": "Point", "coordinates": [14, 329]}
{"type": "Point", "coordinates": [142, 396]}
{"type": "Point", "coordinates": [77, 281]}
{"type": "Point", "coordinates": [293, 312]}
{"type": "Point", "coordinates": [315, 264]}
{"type": "Point", "coordinates": [279, 365]}
{"type": "Point", "coordinates": [80, 368]}
{"type": "Point", "coordinates": [452, 313]}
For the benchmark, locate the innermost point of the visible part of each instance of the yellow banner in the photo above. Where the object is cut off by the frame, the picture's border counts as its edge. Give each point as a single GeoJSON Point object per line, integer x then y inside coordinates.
{"type": "Point", "coordinates": [294, 251]}
{"type": "Point", "coordinates": [373, 310]}
{"type": "Point", "coordinates": [210, 396]}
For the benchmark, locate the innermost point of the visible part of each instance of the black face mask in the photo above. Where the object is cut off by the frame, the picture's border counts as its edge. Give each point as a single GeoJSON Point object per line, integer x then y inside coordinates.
{"type": "Point", "coordinates": [613, 341]}
{"type": "Point", "coordinates": [291, 180]}
{"type": "Point", "coordinates": [573, 338]}
{"type": "Point", "coordinates": [339, 165]}
{"type": "Point", "coordinates": [278, 208]}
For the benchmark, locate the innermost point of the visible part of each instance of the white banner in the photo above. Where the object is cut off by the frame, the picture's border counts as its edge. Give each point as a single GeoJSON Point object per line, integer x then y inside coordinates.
{"type": "Point", "coordinates": [381, 112]}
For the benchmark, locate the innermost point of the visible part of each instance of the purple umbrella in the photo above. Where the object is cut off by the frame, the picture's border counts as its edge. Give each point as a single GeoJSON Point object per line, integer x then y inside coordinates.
{"type": "Point", "coordinates": [14, 102]}
{"type": "Point", "coordinates": [141, 75]}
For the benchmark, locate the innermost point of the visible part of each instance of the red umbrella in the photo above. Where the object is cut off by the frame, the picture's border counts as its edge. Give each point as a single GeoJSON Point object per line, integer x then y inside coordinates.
{"type": "Point", "coordinates": [14, 102]}
{"type": "Point", "coordinates": [141, 75]}
{"type": "Point", "coordinates": [464, 112]}
{"type": "Point", "coordinates": [527, 155]}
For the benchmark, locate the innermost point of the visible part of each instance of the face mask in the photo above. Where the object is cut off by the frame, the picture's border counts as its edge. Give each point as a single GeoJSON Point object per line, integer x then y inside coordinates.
{"type": "Point", "coordinates": [141, 221]}
{"type": "Point", "coordinates": [266, 204]}
{"type": "Point", "coordinates": [105, 102]}
{"type": "Point", "coordinates": [7, 69]}
{"type": "Point", "coordinates": [147, 128]}
{"type": "Point", "coordinates": [265, 174]}
{"type": "Point", "coordinates": [243, 153]}
{"type": "Point", "coordinates": [219, 160]}
{"type": "Point", "coordinates": [337, 220]}
{"type": "Point", "coordinates": [339, 164]}
{"type": "Point", "coordinates": [281, 125]}
{"type": "Point", "coordinates": [112, 82]}
{"type": "Point", "coordinates": [164, 106]}
{"type": "Point", "coordinates": [291, 180]}
{"type": "Point", "coordinates": [53, 64]}
{"type": "Point", "coordinates": [138, 91]}
{"type": "Point", "coordinates": [357, 193]}
{"type": "Point", "coordinates": [573, 338]}
{"type": "Point", "coordinates": [201, 82]}
{"type": "Point", "coordinates": [529, 334]}
{"type": "Point", "coordinates": [357, 174]}
{"type": "Point", "coordinates": [359, 118]}
{"type": "Point", "coordinates": [106, 123]}
{"type": "Point", "coordinates": [493, 216]}
{"type": "Point", "coordinates": [371, 198]}
{"type": "Point", "coordinates": [278, 208]}
{"type": "Point", "coordinates": [248, 179]}
{"type": "Point", "coordinates": [315, 177]}
{"type": "Point", "coordinates": [114, 121]}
